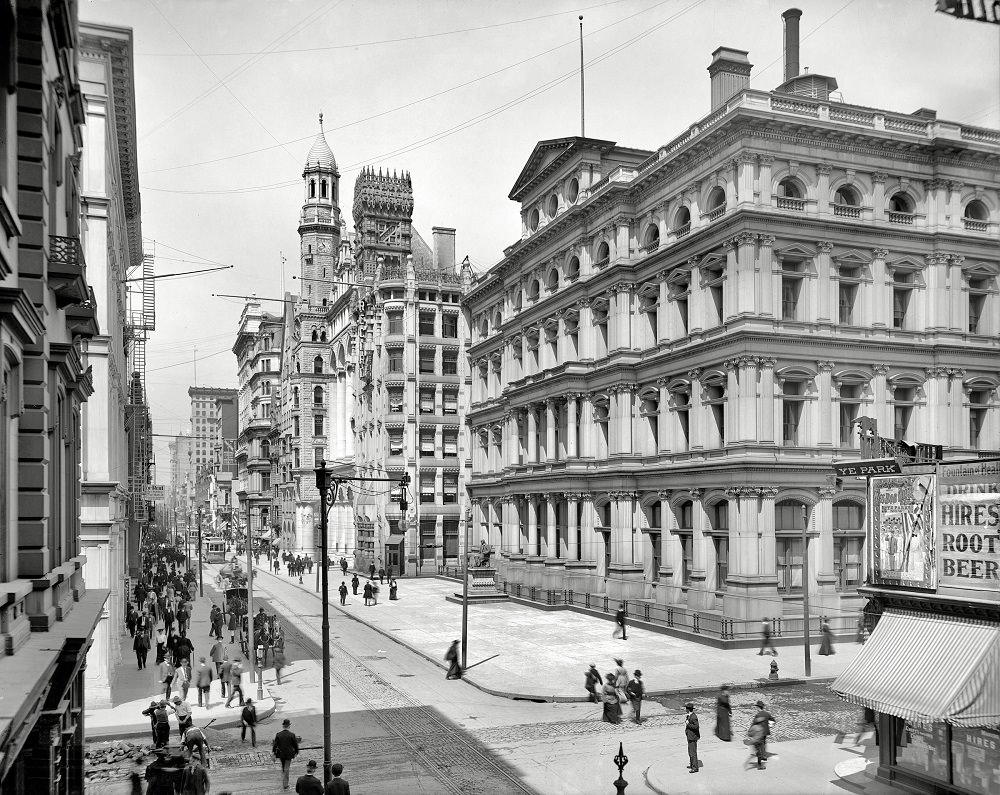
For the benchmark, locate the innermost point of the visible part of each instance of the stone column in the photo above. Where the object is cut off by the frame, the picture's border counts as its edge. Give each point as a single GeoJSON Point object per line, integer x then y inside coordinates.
{"type": "Point", "coordinates": [550, 525]}
{"type": "Point", "coordinates": [663, 425]}
{"type": "Point", "coordinates": [571, 424]}
{"type": "Point", "coordinates": [959, 421]}
{"type": "Point", "coordinates": [765, 526]}
{"type": "Point", "coordinates": [878, 195]}
{"type": "Point", "coordinates": [744, 163]}
{"type": "Point", "coordinates": [624, 300]}
{"type": "Point", "coordinates": [587, 526]}
{"type": "Point", "coordinates": [626, 406]}
{"type": "Point", "coordinates": [764, 179]}
{"type": "Point", "coordinates": [551, 418]}
{"type": "Point", "coordinates": [882, 411]}
{"type": "Point", "coordinates": [697, 300]}
{"type": "Point", "coordinates": [765, 417]}
{"type": "Point", "coordinates": [823, 297]}
{"type": "Point", "coordinates": [572, 525]}
{"type": "Point", "coordinates": [533, 507]}
{"type": "Point", "coordinates": [696, 418]}
{"type": "Point", "coordinates": [664, 311]}
{"type": "Point", "coordinates": [731, 286]}
{"type": "Point", "coordinates": [586, 426]}
{"type": "Point", "coordinates": [586, 326]}
{"type": "Point", "coordinates": [747, 391]}
{"type": "Point", "coordinates": [822, 576]}
{"type": "Point", "coordinates": [955, 204]}
{"type": "Point", "coordinates": [732, 407]}
{"type": "Point", "coordinates": [823, 188]}
{"type": "Point", "coordinates": [531, 440]}
{"type": "Point", "coordinates": [765, 278]}
{"type": "Point", "coordinates": [824, 436]}
{"type": "Point", "coordinates": [744, 285]}
{"type": "Point", "coordinates": [957, 299]}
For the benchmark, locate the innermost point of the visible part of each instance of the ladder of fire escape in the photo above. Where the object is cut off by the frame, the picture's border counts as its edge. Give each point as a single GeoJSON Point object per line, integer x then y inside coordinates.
{"type": "Point", "coordinates": [142, 320]}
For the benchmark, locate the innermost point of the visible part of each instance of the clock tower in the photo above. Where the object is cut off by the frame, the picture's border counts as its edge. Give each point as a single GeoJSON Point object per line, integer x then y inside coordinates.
{"type": "Point", "coordinates": [319, 223]}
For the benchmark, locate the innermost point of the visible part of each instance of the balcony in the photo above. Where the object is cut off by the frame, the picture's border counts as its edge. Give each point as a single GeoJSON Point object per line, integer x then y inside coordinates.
{"type": "Point", "coordinates": [789, 203]}
{"type": "Point", "coordinates": [972, 225]}
{"type": "Point", "coordinates": [81, 318]}
{"type": "Point", "coordinates": [66, 270]}
{"type": "Point", "coordinates": [846, 211]}
{"type": "Point", "coordinates": [901, 218]}
{"type": "Point", "coordinates": [717, 213]}
{"type": "Point", "coordinates": [683, 231]}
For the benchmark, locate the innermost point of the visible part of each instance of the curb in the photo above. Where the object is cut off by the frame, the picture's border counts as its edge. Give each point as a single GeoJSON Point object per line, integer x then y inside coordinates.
{"type": "Point", "coordinates": [561, 699]}
{"type": "Point", "coordinates": [130, 732]}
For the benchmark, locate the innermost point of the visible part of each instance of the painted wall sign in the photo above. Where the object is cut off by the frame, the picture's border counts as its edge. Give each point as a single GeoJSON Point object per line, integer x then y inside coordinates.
{"type": "Point", "coordinates": [969, 525]}
{"type": "Point", "coordinates": [904, 541]}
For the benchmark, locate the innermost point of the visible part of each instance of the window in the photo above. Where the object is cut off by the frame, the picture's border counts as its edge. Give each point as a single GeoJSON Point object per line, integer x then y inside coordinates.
{"type": "Point", "coordinates": [265, 388]}
{"type": "Point", "coordinates": [450, 436]}
{"type": "Point", "coordinates": [793, 397]}
{"type": "Point", "coordinates": [791, 289]}
{"type": "Point", "coordinates": [573, 190]}
{"type": "Point", "coordinates": [902, 412]}
{"type": "Point", "coordinates": [850, 407]}
{"type": "Point", "coordinates": [847, 202]}
{"type": "Point", "coordinates": [312, 194]}
{"type": "Point", "coordinates": [848, 544]}
{"type": "Point", "coordinates": [715, 279]}
{"type": "Point", "coordinates": [721, 561]}
{"type": "Point", "coordinates": [318, 365]}
{"type": "Point", "coordinates": [265, 481]}
{"type": "Point", "coordinates": [682, 222]}
{"type": "Point", "coordinates": [449, 326]}
{"type": "Point", "coordinates": [449, 490]}
{"type": "Point", "coordinates": [395, 400]}
{"type": "Point", "coordinates": [323, 189]}
{"type": "Point", "coordinates": [900, 208]}
{"type": "Point", "coordinates": [395, 323]}
{"type": "Point", "coordinates": [318, 455]}
{"type": "Point", "coordinates": [651, 240]}
{"type": "Point", "coordinates": [427, 445]}
{"type": "Point", "coordinates": [533, 218]}
{"type": "Point", "coordinates": [450, 402]}
{"type": "Point", "coordinates": [318, 396]}
{"type": "Point", "coordinates": [427, 357]}
{"type": "Point", "coordinates": [603, 255]}
{"type": "Point", "coordinates": [295, 426]}
{"type": "Point", "coordinates": [846, 298]}
{"type": "Point", "coordinates": [318, 425]}
{"type": "Point", "coordinates": [265, 449]}
{"type": "Point", "coordinates": [976, 216]}
{"type": "Point", "coordinates": [296, 458]}
{"type": "Point", "coordinates": [449, 362]}
{"type": "Point", "coordinates": [427, 401]}
{"type": "Point", "coordinates": [979, 406]}
{"type": "Point", "coordinates": [395, 441]}
{"type": "Point", "coordinates": [427, 324]}
{"type": "Point", "coordinates": [426, 487]}
{"type": "Point", "coordinates": [573, 268]}
{"type": "Point", "coordinates": [716, 203]}
{"type": "Point", "coordinates": [790, 196]}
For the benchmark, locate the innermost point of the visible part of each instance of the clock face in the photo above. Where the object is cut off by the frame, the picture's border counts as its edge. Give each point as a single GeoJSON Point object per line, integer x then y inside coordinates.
{"type": "Point", "coordinates": [324, 246]}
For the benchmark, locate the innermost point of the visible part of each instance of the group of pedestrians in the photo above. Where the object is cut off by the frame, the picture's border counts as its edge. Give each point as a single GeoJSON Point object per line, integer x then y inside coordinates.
{"type": "Point", "coordinates": [615, 689]}
{"type": "Point", "coordinates": [756, 737]}
{"type": "Point", "coordinates": [826, 638]}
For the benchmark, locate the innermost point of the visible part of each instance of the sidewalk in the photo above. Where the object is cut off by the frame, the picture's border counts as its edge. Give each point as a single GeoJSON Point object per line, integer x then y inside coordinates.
{"type": "Point", "coordinates": [516, 651]}
{"type": "Point", "coordinates": [133, 689]}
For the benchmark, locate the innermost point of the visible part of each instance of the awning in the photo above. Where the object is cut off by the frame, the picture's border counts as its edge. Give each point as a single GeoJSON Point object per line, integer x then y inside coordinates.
{"type": "Point", "coordinates": [395, 538]}
{"type": "Point", "coordinates": [927, 669]}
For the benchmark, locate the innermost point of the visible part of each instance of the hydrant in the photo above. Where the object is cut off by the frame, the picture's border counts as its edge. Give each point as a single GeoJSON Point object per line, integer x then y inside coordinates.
{"type": "Point", "coordinates": [774, 670]}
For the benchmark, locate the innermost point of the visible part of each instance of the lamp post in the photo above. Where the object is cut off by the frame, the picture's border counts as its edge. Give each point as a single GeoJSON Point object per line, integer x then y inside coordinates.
{"type": "Point", "coordinates": [201, 560]}
{"type": "Point", "coordinates": [465, 589]}
{"type": "Point", "coordinates": [323, 483]}
{"type": "Point", "coordinates": [805, 589]}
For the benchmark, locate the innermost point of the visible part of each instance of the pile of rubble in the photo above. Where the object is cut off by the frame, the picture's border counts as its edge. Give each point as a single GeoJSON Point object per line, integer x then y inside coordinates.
{"type": "Point", "coordinates": [113, 760]}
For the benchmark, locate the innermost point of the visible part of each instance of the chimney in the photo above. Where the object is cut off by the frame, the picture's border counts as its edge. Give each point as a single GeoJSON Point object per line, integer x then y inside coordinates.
{"type": "Point", "coordinates": [791, 17]}
{"type": "Point", "coordinates": [730, 74]}
{"type": "Point", "coordinates": [444, 248]}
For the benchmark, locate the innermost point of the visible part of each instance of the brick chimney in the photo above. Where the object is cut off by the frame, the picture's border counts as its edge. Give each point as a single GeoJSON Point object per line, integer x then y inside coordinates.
{"type": "Point", "coordinates": [444, 248]}
{"type": "Point", "coordinates": [791, 17]}
{"type": "Point", "coordinates": [730, 74]}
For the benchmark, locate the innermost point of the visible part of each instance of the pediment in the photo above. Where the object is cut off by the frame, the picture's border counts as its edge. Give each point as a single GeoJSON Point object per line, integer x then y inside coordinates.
{"type": "Point", "coordinates": [795, 251]}
{"type": "Point", "coordinates": [852, 257]}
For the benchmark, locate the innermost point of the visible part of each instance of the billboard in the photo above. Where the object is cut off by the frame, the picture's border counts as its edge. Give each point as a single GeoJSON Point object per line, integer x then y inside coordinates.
{"type": "Point", "coordinates": [969, 525]}
{"type": "Point", "coordinates": [904, 541]}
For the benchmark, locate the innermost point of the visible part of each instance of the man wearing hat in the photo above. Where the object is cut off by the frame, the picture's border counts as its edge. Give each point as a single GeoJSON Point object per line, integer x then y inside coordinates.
{"type": "Point", "coordinates": [248, 720]}
{"type": "Point", "coordinates": [693, 733]}
{"type": "Point", "coordinates": [285, 748]}
{"type": "Point", "coordinates": [636, 691]}
{"type": "Point", "coordinates": [183, 712]}
{"type": "Point", "coordinates": [760, 729]}
{"type": "Point", "coordinates": [309, 784]}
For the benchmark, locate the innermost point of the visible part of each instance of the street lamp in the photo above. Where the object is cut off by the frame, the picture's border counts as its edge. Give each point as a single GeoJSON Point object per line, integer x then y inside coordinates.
{"type": "Point", "coordinates": [805, 590]}
{"type": "Point", "coordinates": [327, 490]}
{"type": "Point", "coordinates": [201, 560]}
{"type": "Point", "coordinates": [465, 589]}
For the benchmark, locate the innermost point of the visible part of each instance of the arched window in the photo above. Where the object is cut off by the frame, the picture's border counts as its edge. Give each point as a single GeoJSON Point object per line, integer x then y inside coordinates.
{"type": "Point", "coordinates": [716, 204]}
{"type": "Point", "coordinates": [533, 290]}
{"type": "Point", "coordinates": [651, 240]}
{"type": "Point", "coordinates": [318, 396]}
{"type": "Point", "coordinates": [322, 334]}
{"type": "Point", "coordinates": [847, 202]}
{"type": "Point", "coordinates": [900, 207]}
{"type": "Point", "coordinates": [552, 281]}
{"type": "Point", "coordinates": [322, 189]}
{"type": "Point", "coordinates": [573, 268]}
{"type": "Point", "coordinates": [484, 329]}
{"type": "Point", "coordinates": [315, 335]}
{"type": "Point", "coordinates": [791, 195]}
{"type": "Point", "coordinates": [312, 189]}
{"type": "Point", "coordinates": [603, 254]}
{"type": "Point", "coordinates": [682, 221]}
{"type": "Point", "coordinates": [976, 216]}
{"type": "Point", "coordinates": [318, 364]}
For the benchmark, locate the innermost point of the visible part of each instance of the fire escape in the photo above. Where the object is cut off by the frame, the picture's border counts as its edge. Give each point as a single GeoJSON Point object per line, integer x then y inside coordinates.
{"type": "Point", "coordinates": [141, 321]}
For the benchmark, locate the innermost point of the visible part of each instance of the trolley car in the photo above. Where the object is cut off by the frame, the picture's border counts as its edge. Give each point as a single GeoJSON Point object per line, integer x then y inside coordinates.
{"type": "Point", "coordinates": [214, 550]}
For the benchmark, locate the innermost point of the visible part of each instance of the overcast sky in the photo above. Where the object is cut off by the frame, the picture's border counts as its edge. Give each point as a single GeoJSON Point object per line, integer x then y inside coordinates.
{"type": "Point", "coordinates": [457, 92]}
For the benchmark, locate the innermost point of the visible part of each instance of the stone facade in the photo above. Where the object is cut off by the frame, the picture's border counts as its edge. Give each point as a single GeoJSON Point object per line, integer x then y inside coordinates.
{"type": "Point", "coordinates": [669, 360]}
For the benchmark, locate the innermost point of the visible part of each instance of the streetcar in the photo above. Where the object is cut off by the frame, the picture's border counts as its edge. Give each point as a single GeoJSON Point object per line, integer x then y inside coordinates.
{"type": "Point", "coordinates": [214, 550]}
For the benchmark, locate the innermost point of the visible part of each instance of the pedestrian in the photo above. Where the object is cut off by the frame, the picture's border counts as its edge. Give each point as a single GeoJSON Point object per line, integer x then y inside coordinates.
{"type": "Point", "coordinates": [723, 713]}
{"type": "Point", "coordinates": [183, 615]}
{"type": "Point", "coordinates": [144, 624]}
{"type": "Point", "coordinates": [611, 711]}
{"type": "Point", "coordinates": [140, 645]}
{"type": "Point", "coordinates": [621, 679]}
{"type": "Point", "coordinates": [236, 681]}
{"type": "Point", "coordinates": [166, 677]}
{"type": "Point", "coordinates": [371, 571]}
{"type": "Point", "coordinates": [692, 732]}
{"type": "Point", "coordinates": [636, 691]}
{"type": "Point", "coordinates": [279, 663]}
{"type": "Point", "coordinates": [343, 566]}
{"type": "Point", "coordinates": [161, 645]}
{"type": "Point", "coordinates": [150, 712]}
{"type": "Point", "coordinates": [757, 734]}
{"type": "Point", "coordinates": [183, 712]}
{"type": "Point", "coordinates": [343, 593]}
{"type": "Point", "coordinates": [374, 592]}
{"type": "Point", "coordinates": [381, 575]}
{"type": "Point", "coordinates": [130, 620]}
{"type": "Point", "coordinates": [162, 724]}
{"type": "Point", "coordinates": [337, 785]}
{"type": "Point", "coordinates": [309, 784]}
{"type": "Point", "coordinates": [203, 679]}
{"type": "Point", "coordinates": [620, 622]}
{"type": "Point", "coordinates": [183, 647]}
{"type": "Point", "coordinates": [826, 647]}
{"type": "Point", "coordinates": [182, 678]}
{"type": "Point", "coordinates": [195, 779]}
{"type": "Point", "coordinates": [368, 593]}
{"type": "Point", "coordinates": [592, 681]}
{"type": "Point", "coordinates": [217, 654]}
{"type": "Point", "coordinates": [225, 675]}
{"type": "Point", "coordinates": [355, 582]}
{"type": "Point", "coordinates": [454, 666]}
{"type": "Point", "coordinates": [393, 589]}
{"type": "Point", "coordinates": [248, 720]}
{"type": "Point", "coordinates": [765, 638]}
{"type": "Point", "coordinates": [216, 618]}
{"type": "Point", "coordinates": [168, 617]}
{"type": "Point", "coordinates": [285, 748]}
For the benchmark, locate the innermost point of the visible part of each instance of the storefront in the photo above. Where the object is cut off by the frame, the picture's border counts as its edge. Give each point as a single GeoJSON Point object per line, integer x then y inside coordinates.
{"type": "Point", "coordinates": [931, 668]}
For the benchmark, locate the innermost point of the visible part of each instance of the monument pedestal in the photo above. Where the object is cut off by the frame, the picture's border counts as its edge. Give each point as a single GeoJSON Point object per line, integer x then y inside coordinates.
{"type": "Point", "coordinates": [482, 587]}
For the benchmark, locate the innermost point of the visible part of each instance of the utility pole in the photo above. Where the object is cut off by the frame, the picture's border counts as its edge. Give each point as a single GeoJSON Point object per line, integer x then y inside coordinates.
{"type": "Point", "coordinates": [250, 575]}
{"type": "Point", "coordinates": [465, 590]}
{"type": "Point", "coordinates": [805, 590]}
{"type": "Point", "coordinates": [201, 560]}
{"type": "Point", "coordinates": [325, 496]}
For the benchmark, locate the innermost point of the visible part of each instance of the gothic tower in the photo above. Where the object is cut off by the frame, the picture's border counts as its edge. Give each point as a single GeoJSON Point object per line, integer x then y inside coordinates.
{"type": "Point", "coordinates": [383, 209]}
{"type": "Point", "coordinates": [319, 224]}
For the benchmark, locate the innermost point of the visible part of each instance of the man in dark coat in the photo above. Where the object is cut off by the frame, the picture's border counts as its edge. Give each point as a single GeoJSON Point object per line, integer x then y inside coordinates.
{"type": "Point", "coordinates": [368, 593]}
{"type": "Point", "coordinates": [765, 638]}
{"type": "Point", "coordinates": [592, 682]}
{"type": "Point", "coordinates": [309, 784]}
{"type": "Point", "coordinates": [620, 621]}
{"type": "Point", "coordinates": [354, 583]}
{"type": "Point", "coordinates": [723, 712]}
{"type": "Point", "coordinates": [343, 593]}
{"type": "Point", "coordinates": [285, 748]}
{"type": "Point", "coordinates": [454, 666]}
{"type": "Point", "coordinates": [693, 733]}
{"type": "Point", "coordinates": [337, 785]}
{"type": "Point", "coordinates": [636, 691]}
{"type": "Point", "coordinates": [760, 729]}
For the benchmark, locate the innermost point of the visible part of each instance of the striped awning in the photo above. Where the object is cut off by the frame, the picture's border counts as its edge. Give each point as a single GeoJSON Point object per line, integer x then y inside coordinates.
{"type": "Point", "coordinates": [928, 669]}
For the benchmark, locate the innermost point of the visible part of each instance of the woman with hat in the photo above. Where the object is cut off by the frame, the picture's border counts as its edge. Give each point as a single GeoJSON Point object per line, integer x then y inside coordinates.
{"type": "Point", "coordinates": [723, 712]}
{"type": "Point", "coordinates": [612, 711]}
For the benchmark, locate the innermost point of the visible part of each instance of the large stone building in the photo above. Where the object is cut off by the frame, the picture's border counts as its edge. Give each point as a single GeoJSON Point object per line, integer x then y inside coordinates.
{"type": "Point", "coordinates": [113, 246]}
{"type": "Point", "coordinates": [214, 430]}
{"type": "Point", "coordinates": [47, 309]}
{"type": "Point", "coordinates": [347, 366]}
{"type": "Point", "coordinates": [669, 360]}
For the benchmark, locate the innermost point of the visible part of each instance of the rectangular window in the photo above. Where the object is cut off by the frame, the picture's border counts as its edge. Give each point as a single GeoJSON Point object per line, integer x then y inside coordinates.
{"type": "Point", "coordinates": [428, 539]}
{"type": "Point", "coordinates": [791, 414]}
{"type": "Point", "coordinates": [426, 401]}
{"type": "Point", "coordinates": [427, 446]}
{"type": "Point", "coordinates": [265, 481]}
{"type": "Point", "coordinates": [296, 431]}
{"type": "Point", "coordinates": [847, 294]}
{"type": "Point", "coordinates": [395, 324]}
{"type": "Point", "coordinates": [848, 413]}
{"type": "Point", "coordinates": [450, 443]}
{"type": "Point", "coordinates": [427, 323]}
{"type": "Point", "coordinates": [721, 561]}
{"type": "Point", "coordinates": [395, 361]}
{"type": "Point", "coordinates": [318, 425]}
{"type": "Point", "coordinates": [687, 558]}
{"type": "Point", "coordinates": [900, 304]}
{"type": "Point", "coordinates": [901, 421]}
{"type": "Point", "coordinates": [395, 441]}
{"type": "Point", "coordinates": [318, 455]}
{"type": "Point", "coordinates": [450, 402]}
{"type": "Point", "coordinates": [297, 458]}
{"type": "Point", "coordinates": [788, 556]}
{"type": "Point", "coordinates": [847, 552]}
{"type": "Point", "coordinates": [977, 303]}
{"type": "Point", "coordinates": [449, 487]}
{"type": "Point", "coordinates": [449, 528]}
{"type": "Point", "coordinates": [449, 362]}
{"type": "Point", "coordinates": [427, 358]}
{"type": "Point", "coordinates": [790, 289]}
{"type": "Point", "coordinates": [449, 326]}
{"type": "Point", "coordinates": [427, 488]}
{"type": "Point", "coordinates": [395, 401]}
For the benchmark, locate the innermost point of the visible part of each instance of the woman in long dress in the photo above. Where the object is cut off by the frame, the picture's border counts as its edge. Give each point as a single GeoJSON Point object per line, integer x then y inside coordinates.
{"type": "Point", "coordinates": [826, 647]}
{"type": "Point", "coordinates": [612, 712]}
{"type": "Point", "coordinates": [723, 712]}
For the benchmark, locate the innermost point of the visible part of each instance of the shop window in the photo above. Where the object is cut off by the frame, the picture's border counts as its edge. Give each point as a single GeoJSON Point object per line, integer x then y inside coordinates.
{"type": "Point", "coordinates": [922, 749]}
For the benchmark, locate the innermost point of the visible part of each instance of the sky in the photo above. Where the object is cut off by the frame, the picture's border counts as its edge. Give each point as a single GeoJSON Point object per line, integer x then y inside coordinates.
{"type": "Point", "coordinates": [457, 92]}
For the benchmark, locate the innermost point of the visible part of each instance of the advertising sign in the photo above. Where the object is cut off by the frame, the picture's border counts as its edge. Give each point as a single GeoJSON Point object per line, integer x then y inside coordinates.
{"type": "Point", "coordinates": [969, 525]}
{"type": "Point", "coordinates": [903, 531]}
